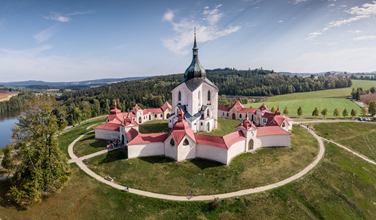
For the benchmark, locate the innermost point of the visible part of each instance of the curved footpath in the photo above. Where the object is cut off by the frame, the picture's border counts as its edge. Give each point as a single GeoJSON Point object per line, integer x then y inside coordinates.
{"type": "Point", "coordinates": [195, 198]}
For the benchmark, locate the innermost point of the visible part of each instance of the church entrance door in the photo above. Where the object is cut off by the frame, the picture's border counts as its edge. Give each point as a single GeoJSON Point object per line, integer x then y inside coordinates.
{"type": "Point", "coordinates": [208, 126]}
{"type": "Point", "coordinates": [250, 144]}
{"type": "Point", "coordinates": [233, 116]}
{"type": "Point", "coordinates": [149, 117]}
{"type": "Point", "coordinates": [139, 120]}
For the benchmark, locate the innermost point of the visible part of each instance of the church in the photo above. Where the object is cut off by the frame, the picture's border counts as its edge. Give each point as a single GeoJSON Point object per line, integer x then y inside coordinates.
{"type": "Point", "coordinates": [195, 109]}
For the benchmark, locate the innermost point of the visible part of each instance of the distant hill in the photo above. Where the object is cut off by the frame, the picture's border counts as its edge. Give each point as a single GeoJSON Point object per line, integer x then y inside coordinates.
{"type": "Point", "coordinates": [322, 73]}
{"type": "Point", "coordinates": [95, 82]}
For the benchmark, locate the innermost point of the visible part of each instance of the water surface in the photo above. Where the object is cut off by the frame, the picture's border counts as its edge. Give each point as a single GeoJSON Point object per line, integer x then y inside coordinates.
{"type": "Point", "coordinates": [7, 120]}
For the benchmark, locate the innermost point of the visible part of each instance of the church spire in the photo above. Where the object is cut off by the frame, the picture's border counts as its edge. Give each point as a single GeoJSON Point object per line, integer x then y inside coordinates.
{"type": "Point", "coordinates": [195, 48]}
{"type": "Point", "coordinates": [195, 70]}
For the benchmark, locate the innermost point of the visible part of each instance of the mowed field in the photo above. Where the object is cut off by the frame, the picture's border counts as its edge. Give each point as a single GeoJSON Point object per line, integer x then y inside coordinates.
{"type": "Point", "coordinates": [4, 95]}
{"type": "Point", "coordinates": [309, 105]}
{"type": "Point", "coordinates": [330, 99]}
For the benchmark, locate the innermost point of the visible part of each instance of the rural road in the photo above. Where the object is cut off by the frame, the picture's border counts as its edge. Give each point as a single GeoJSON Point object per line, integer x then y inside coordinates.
{"type": "Point", "coordinates": [195, 198]}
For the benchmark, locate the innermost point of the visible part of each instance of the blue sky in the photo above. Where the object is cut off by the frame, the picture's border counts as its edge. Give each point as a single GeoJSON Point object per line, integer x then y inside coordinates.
{"type": "Point", "coordinates": [80, 40]}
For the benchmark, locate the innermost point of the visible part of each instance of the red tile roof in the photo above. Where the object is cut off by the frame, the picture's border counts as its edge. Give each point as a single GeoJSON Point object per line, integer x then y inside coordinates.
{"type": "Point", "coordinates": [180, 129]}
{"type": "Point", "coordinates": [263, 107]}
{"type": "Point", "coordinates": [245, 110]}
{"type": "Point", "coordinates": [165, 106]}
{"type": "Point", "coordinates": [237, 105]}
{"type": "Point", "coordinates": [224, 142]}
{"type": "Point", "coordinates": [132, 133]}
{"type": "Point", "coordinates": [223, 108]}
{"type": "Point", "coordinates": [136, 108]}
{"type": "Point", "coordinates": [112, 126]}
{"type": "Point", "coordinates": [271, 130]}
{"type": "Point", "coordinates": [153, 110]}
{"type": "Point", "coordinates": [129, 121]}
{"type": "Point", "coordinates": [246, 124]}
{"type": "Point", "coordinates": [148, 138]}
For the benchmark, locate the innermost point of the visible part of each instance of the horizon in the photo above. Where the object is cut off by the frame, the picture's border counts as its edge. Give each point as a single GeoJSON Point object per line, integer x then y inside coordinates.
{"type": "Point", "coordinates": [69, 41]}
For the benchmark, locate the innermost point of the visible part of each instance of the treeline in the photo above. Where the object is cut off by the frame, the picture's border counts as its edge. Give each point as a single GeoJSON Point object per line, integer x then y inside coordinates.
{"type": "Point", "coordinates": [16, 102]}
{"type": "Point", "coordinates": [357, 93]}
{"type": "Point", "coordinates": [363, 77]}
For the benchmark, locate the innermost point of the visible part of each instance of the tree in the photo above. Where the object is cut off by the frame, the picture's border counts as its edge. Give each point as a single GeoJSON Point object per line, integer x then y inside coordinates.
{"type": "Point", "coordinates": [372, 108]}
{"type": "Point", "coordinates": [364, 111]}
{"type": "Point", "coordinates": [372, 89]}
{"type": "Point", "coordinates": [345, 113]}
{"type": "Point", "coordinates": [315, 112]}
{"type": "Point", "coordinates": [273, 109]}
{"type": "Point", "coordinates": [286, 111]}
{"type": "Point", "coordinates": [43, 168]}
{"type": "Point", "coordinates": [7, 162]}
{"type": "Point", "coordinates": [300, 111]}
{"type": "Point", "coordinates": [353, 112]}
{"type": "Point", "coordinates": [336, 112]}
{"type": "Point", "coordinates": [324, 112]}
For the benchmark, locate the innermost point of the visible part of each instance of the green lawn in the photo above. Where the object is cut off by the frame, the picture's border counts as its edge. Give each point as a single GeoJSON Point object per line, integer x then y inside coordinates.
{"type": "Point", "coordinates": [224, 126]}
{"type": "Point", "coordinates": [330, 93]}
{"type": "Point", "coordinates": [309, 105]}
{"type": "Point", "coordinates": [68, 137]}
{"type": "Point", "coordinates": [359, 137]}
{"type": "Point", "coordinates": [156, 126]}
{"type": "Point", "coordinates": [88, 145]}
{"type": "Point", "coordinates": [341, 187]}
{"type": "Point", "coordinates": [163, 175]}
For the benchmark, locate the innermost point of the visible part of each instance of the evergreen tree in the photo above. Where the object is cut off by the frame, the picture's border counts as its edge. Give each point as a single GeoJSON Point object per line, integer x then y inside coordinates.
{"type": "Point", "coordinates": [324, 112]}
{"type": "Point", "coordinates": [43, 168]}
{"type": "Point", "coordinates": [315, 112]}
{"type": "Point", "coordinates": [286, 111]}
{"type": "Point", "coordinates": [7, 162]}
{"type": "Point", "coordinates": [372, 108]}
{"type": "Point", "coordinates": [364, 111]}
{"type": "Point", "coordinates": [353, 112]}
{"type": "Point", "coordinates": [300, 111]}
{"type": "Point", "coordinates": [372, 89]}
{"type": "Point", "coordinates": [345, 113]}
{"type": "Point", "coordinates": [273, 109]}
{"type": "Point", "coordinates": [336, 112]}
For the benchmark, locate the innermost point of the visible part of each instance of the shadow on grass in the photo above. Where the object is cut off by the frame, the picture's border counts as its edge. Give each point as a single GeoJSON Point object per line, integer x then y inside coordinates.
{"type": "Point", "coordinates": [204, 164]}
{"type": "Point", "coordinates": [115, 155]}
{"type": "Point", "coordinates": [156, 159]}
{"type": "Point", "coordinates": [5, 201]}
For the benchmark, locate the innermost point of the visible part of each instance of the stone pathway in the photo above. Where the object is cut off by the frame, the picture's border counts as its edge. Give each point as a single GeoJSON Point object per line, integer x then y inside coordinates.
{"type": "Point", "coordinates": [5, 177]}
{"type": "Point", "coordinates": [196, 198]}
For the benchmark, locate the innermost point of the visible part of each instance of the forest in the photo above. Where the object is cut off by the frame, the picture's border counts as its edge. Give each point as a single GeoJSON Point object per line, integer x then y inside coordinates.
{"type": "Point", "coordinates": [154, 91]}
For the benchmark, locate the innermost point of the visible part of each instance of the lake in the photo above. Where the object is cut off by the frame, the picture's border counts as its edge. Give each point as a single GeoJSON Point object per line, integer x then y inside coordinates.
{"type": "Point", "coordinates": [7, 120]}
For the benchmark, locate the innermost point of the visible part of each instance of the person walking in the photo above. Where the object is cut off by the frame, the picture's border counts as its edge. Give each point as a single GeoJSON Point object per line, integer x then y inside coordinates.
{"type": "Point", "coordinates": [190, 193]}
{"type": "Point", "coordinates": [127, 188]}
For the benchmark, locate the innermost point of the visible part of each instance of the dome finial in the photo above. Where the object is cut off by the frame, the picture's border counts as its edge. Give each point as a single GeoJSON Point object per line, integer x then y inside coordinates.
{"type": "Point", "coordinates": [195, 44]}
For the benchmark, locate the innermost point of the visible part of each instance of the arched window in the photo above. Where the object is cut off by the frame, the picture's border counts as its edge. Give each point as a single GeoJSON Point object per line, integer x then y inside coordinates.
{"type": "Point", "coordinates": [208, 113]}
{"type": "Point", "coordinates": [161, 115]}
{"type": "Point", "coordinates": [172, 142]}
{"type": "Point", "coordinates": [283, 124]}
{"type": "Point", "coordinates": [209, 95]}
{"type": "Point", "coordinates": [179, 96]}
{"type": "Point", "coordinates": [223, 114]}
{"type": "Point", "coordinates": [240, 116]}
{"type": "Point", "coordinates": [186, 142]}
{"type": "Point", "coordinates": [201, 124]}
{"type": "Point", "coordinates": [199, 97]}
{"type": "Point", "coordinates": [155, 115]}
{"type": "Point", "coordinates": [227, 114]}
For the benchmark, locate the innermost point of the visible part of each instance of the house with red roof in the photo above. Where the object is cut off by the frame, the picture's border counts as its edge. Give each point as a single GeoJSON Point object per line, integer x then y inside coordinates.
{"type": "Point", "coordinates": [117, 124]}
{"type": "Point", "coordinates": [181, 143]}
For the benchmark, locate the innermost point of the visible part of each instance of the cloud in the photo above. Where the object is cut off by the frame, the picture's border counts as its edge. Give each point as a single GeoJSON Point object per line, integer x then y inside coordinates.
{"type": "Point", "coordinates": [184, 30]}
{"type": "Point", "coordinates": [298, 1]}
{"type": "Point", "coordinates": [365, 11]}
{"type": "Point", "coordinates": [331, 5]}
{"type": "Point", "coordinates": [37, 66]}
{"type": "Point", "coordinates": [65, 17]}
{"type": "Point", "coordinates": [313, 35]}
{"type": "Point", "coordinates": [343, 6]}
{"type": "Point", "coordinates": [168, 16]}
{"type": "Point", "coordinates": [367, 37]}
{"type": "Point", "coordinates": [280, 21]}
{"type": "Point", "coordinates": [356, 32]}
{"type": "Point", "coordinates": [213, 16]}
{"type": "Point", "coordinates": [45, 34]}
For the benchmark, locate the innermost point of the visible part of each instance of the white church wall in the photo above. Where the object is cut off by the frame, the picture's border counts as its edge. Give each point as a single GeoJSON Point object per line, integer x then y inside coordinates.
{"type": "Point", "coordinates": [211, 153]}
{"type": "Point", "coordinates": [170, 151]}
{"type": "Point", "coordinates": [275, 141]}
{"type": "Point", "coordinates": [106, 134]}
{"type": "Point", "coordinates": [186, 96]}
{"type": "Point", "coordinates": [186, 152]}
{"type": "Point", "coordinates": [235, 150]}
{"type": "Point", "coordinates": [146, 150]}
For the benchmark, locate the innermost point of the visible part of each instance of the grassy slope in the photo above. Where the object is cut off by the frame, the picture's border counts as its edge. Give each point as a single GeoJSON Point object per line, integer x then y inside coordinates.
{"type": "Point", "coordinates": [309, 105]}
{"type": "Point", "coordinates": [341, 187]}
{"type": "Point", "coordinates": [69, 136]}
{"type": "Point", "coordinates": [330, 93]}
{"type": "Point", "coordinates": [162, 175]}
{"type": "Point", "coordinates": [360, 137]}
{"type": "Point", "coordinates": [156, 126]}
{"type": "Point", "coordinates": [88, 145]}
{"type": "Point", "coordinates": [225, 126]}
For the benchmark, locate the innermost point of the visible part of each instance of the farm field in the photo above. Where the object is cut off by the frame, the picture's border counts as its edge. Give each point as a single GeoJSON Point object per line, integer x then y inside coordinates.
{"type": "Point", "coordinates": [309, 105]}
{"type": "Point", "coordinates": [359, 137]}
{"type": "Point", "coordinates": [330, 93]}
{"type": "Point", "coordinates": [5, 95]}
{"type": "Point", "coordinates": [370, 97]}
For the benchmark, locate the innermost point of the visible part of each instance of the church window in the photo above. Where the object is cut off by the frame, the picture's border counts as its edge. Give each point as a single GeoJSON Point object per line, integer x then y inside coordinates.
{"type": "Point", "coordinates": [199, 97]}
{"type": "Point", "coordinates": [155, 115]}
{"type": "Point", "coordinates": [161, 115]}
{"type": "Point", "coordinates": [227, 114]}
{"type": "Point", "coordinates": [208, 113]}
{"type": "Point", "coordinates": [223, 114]}
{"type": "Point", "coordinates": [283, 125]}
{"type": "Point", "coordinates": [240, 116]}
{"type": "Point", "coordinates": [186, 142]}
{"type": "Point", "coordinates": [201, 124]}
{"type": "Point", "coordinates": [208, 95]}
{"type": "Point", "coordinates": [172, 142]}
{"type": "Point", "coordinates": [179, 96]}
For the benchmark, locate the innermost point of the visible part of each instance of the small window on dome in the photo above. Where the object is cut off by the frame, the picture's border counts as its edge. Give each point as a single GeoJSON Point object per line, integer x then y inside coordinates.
{"type": "Point", "coordinates": [172, 142]}
{"type": "Point", "coordinates": [186, 142]}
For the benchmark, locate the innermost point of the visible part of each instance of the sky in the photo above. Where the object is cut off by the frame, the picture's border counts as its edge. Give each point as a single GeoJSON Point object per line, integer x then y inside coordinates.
{"type": "Point", "coordinates": [82, 40]}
